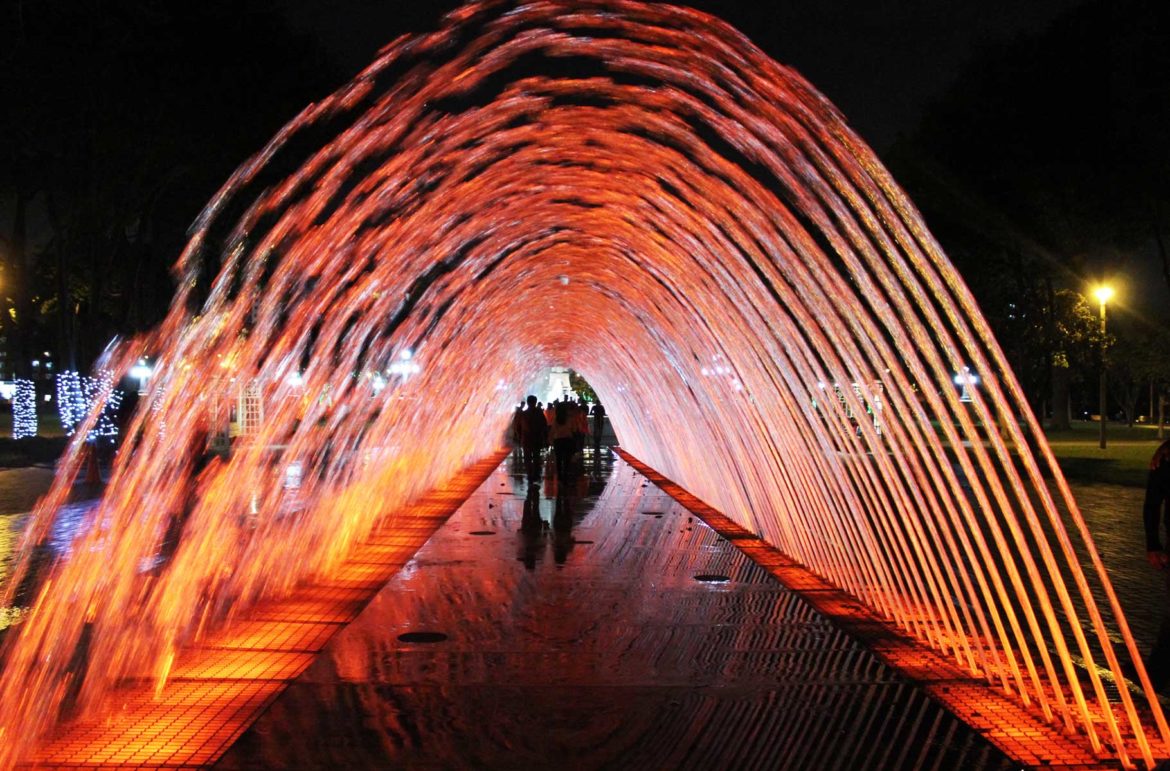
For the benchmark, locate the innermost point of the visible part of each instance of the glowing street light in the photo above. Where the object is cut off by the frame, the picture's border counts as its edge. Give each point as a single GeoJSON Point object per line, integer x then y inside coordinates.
{"type": "Point", "coordinates": [142, 371]}
{"type": "Point", "coordinates": [1104, 294]}
{"type": "Point", "coordinates": [405, 366]}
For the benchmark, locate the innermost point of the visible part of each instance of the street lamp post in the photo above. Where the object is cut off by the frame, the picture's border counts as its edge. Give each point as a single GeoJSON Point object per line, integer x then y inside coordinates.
{"type": "Point", "coordinates": [1103, 295]}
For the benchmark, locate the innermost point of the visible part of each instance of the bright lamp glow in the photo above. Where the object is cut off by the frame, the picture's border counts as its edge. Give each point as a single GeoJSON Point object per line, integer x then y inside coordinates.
{"type": "Point", "coordinates": [141, 370]}
{"type": "Point", "coordinates": [1103, 294]}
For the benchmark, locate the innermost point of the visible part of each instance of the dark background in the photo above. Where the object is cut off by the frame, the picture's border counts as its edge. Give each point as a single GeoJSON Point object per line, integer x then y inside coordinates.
{"type": "Point", "coordinates": [1032, 136]}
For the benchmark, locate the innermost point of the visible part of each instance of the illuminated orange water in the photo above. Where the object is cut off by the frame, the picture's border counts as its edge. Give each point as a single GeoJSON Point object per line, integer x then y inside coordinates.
{"type": "Point", "coordinates": [634, 191]}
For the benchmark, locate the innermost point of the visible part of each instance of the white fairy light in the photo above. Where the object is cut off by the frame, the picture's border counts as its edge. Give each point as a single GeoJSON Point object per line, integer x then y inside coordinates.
{"type": "Point", "coordinates": [76, 396]}
{"type": "Point", "coordinates": [24, 410]}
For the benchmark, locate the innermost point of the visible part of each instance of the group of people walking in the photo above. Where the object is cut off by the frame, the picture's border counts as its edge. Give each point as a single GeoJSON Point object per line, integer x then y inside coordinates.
{"type": "Point", "coordinates": [562, 425]}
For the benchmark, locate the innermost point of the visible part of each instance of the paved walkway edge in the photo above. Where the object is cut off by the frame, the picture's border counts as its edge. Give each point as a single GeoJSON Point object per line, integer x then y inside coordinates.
{"type": "Point", "coordinates": [216, 692]}
{"type": "Point", "coordinates": [1016, 730]}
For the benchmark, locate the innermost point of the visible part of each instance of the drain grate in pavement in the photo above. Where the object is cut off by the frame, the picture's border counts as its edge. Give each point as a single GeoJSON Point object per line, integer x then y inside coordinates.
{"type": "Point", "coordinates": [421, 637]}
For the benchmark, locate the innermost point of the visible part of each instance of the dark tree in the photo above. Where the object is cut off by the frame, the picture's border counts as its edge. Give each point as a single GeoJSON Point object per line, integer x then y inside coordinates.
{"type": "Point", "coordinates": [1046, 162]}
{"type": "Point", "coordinates": [127, 116]}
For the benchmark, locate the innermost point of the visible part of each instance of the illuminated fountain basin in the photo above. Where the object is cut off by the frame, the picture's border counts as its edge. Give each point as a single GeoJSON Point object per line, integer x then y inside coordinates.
{"type": "Point", "coordinates": [641, 194]}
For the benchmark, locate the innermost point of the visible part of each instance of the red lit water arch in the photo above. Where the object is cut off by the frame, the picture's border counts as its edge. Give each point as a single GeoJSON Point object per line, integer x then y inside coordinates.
{"type": "Point", "coordinates": [637, 192]}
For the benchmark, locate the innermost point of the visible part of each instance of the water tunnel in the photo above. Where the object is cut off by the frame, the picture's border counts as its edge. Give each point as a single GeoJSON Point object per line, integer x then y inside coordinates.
{"type": "Point", "coordinates": [637, 192]}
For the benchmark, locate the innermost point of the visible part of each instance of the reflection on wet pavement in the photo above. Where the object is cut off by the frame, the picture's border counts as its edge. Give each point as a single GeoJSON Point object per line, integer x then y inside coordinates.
{"type": "Point", "coordinates": [72, 520]}
{"type": "Point", "coordinates": [544, 628]}
{"type": "Point", "coordinates": [19, 490]}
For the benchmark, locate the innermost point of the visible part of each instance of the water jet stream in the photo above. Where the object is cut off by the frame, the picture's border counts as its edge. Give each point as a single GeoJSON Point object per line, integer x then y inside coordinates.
{"type": "Point", "coordinates": [638, 192]}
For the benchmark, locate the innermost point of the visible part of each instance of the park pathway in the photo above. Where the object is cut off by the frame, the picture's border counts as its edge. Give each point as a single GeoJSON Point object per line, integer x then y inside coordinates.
{"type": "Point", "coordinates": [610, 628]}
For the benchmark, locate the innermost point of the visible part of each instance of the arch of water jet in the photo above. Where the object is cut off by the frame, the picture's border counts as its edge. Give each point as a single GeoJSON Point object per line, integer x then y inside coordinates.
{"type": "Point", "coordinates": [640, 193]}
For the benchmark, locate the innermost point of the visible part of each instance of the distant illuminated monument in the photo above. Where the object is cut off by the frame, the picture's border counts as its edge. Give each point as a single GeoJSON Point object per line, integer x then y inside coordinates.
{"type": "Point", "coordinates": [559, 386]}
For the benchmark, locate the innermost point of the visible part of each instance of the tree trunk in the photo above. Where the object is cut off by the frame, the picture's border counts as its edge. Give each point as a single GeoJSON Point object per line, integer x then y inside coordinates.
{"type": "Point", "coordinates": [18, 329]}
{"type": "Point", "coordinates": [66, 307]}
{"type": "Point", "coordinates": [1061, 409]}
{"type": "Point", "coordinates": [1162, 253]}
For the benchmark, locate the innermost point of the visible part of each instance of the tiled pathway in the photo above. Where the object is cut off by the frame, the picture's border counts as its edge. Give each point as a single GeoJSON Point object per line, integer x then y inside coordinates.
{"type": "Point", "coordinates": [215, 693]}
{"type": "Point", "coordinates": [605, 629]}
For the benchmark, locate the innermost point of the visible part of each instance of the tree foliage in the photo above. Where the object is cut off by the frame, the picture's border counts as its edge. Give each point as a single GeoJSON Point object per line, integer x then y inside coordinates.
{"type": "Point", "coordinates": [581, 386]}
{"type": "Point", "coordinates": [124, 119]}
{"type": "Point", "coordinates": [1045, 167]}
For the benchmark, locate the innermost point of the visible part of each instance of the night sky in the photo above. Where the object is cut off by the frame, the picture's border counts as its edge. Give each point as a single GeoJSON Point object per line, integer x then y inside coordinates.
{"type": "Point", "coordinates": [880, 62]}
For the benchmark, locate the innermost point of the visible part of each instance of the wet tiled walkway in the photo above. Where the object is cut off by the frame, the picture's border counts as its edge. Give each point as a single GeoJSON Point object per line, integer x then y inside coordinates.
{"type": "Point", "coordinates": [216, 692]}
{"type": "Point", "coordinates": [578, 632]}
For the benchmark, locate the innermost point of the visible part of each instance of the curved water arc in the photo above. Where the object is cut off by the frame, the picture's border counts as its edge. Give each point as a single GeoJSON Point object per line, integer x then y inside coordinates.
{"type": "Point", "coordinates": [831, 324]}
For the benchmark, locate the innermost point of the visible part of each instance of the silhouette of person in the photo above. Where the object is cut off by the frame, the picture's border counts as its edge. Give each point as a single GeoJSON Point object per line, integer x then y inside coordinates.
{"type": "Point", "coordinates": [598, 427]}
{"type": "Point", "coordinates": [518, 428]}
{"type": "Point", "coordinates": [580, 415]}
{"type": "Point", "coordinates": [531, 528]}
{"type": "Point", "coordinates": [1155, 513]}
{"type": "Point", "coordinates": [563, 443]}
{"type": "Point", "coordinates": [534, 437]}
{"type": "Point", "coordinates": [199, 455]}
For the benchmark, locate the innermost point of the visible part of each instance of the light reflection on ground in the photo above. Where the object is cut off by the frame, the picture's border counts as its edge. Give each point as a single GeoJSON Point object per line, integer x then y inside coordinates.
{"type": "Point", "coordinates": [1113, 513]}
{"type": "Point", "coordinates": [539, 628]}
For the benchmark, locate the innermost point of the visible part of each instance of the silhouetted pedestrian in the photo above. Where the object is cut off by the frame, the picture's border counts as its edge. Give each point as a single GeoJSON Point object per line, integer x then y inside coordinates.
{"type": "Point", "coordinates": [199, 456]}
{"type": "Point", "coordinates": [598, 427]}
{"type": "Point", "coordinates": [534, 438]}
{"type": "Point", "coordinates": [1155, 512]}
{"type": "Point", "coordinates": [580, 427]}
{"type": "Point", "coordinates": [561, 435]}
{"type": "Point", "coordinates": [518, 427]}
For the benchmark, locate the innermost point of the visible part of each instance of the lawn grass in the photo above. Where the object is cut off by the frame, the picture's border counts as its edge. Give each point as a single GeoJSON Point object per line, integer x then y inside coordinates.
{"type": "Point", "coordinates": [1124, 461]}
{"type": "Point", "coordinates": [44, 448]}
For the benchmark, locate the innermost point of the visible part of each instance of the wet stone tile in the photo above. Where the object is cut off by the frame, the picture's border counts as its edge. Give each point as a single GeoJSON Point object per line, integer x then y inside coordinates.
{"type": "Point", "coordinates": [603, 654]}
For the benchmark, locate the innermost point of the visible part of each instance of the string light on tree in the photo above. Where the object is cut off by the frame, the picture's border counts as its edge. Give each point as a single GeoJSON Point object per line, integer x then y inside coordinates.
{"type": "Point", "coordinates": [76, 396]}
{"type": "Point", "coordinates": [24, 410]}
{"type": "Point", "coordinates": [70, 402]}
